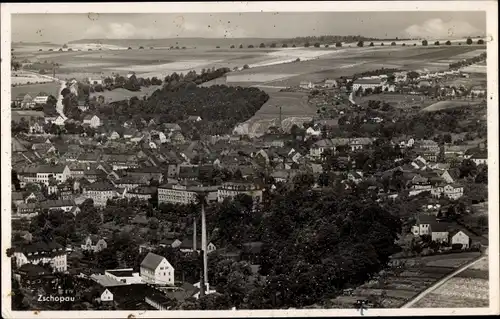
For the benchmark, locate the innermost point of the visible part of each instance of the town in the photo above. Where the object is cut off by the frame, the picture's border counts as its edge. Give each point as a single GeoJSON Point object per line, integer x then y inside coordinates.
{"type": "Point", "coordinates": [159, 200]}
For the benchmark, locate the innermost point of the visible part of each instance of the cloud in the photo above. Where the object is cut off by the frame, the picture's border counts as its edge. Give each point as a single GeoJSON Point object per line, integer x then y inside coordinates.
{"type": "Point", "coordinates": [437, 28]}
{"type": "Point", "coordinates": [180, 29]}
{"type": "Point", "coordinates": [121, 31]}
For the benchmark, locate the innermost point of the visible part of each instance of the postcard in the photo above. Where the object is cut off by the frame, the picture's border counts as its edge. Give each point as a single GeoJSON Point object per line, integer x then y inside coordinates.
{"type": "Point", "coordinates": [249, 159]}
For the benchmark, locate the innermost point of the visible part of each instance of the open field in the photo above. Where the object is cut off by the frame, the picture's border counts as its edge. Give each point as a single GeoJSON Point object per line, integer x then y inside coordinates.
{"type": "Point", "coordinates": [123, 94]}
{"type": "Point", "coordinates": [294, 109]}
{"type": "Point", "coordinates": [34, 89]}
{"type": "Point", "coordinates": [328, 62]}
{"type": "Point", "coordinates": [399, 101]}
{"type": "Point", "coordinates": [444, 105]}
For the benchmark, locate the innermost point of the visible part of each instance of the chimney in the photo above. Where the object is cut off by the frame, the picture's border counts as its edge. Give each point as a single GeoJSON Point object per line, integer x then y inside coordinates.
{"type": "Point", "coordinates": [194, 234]}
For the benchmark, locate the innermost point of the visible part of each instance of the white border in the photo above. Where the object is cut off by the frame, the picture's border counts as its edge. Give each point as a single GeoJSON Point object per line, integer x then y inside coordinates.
{"type": "Point", "coordinates": [491, 8]}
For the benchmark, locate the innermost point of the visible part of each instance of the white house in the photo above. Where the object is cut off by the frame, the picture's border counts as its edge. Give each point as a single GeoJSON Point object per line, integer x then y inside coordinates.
{"type": "Point", "coordinates": [43, 174]}
{"type": "Point", "coordinates": [306, 85]}
{"type": "Point", "coordinates": [106, 296]}
{"type": "Point", "coordinates": [59, 121]}
{"type": "Point", "coordinates": [331, 83]}
{"type": "Point", "coordinates": [95, 81]}
{"type": "Point", "coordinates": [92, 120]}
{"type": "Point", "coordinates": [156, 269]}
{"type": "Point", "coordinates": [41, 99]}
{"type": "Point", "coordinates": [461, 237]}
{"type": "Point", "coordinates": [312, 132]}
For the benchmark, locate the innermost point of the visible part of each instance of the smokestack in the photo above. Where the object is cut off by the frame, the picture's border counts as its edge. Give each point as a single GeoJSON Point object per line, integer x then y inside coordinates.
{"type": "Point", "coordinates": [204, 243]}
{"type": "Point", "coordinates": [194, 234]}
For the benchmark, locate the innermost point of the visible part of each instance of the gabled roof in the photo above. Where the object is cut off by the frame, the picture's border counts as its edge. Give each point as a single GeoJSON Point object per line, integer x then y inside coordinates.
{"type": "Point", "coordinates": [151, 261]}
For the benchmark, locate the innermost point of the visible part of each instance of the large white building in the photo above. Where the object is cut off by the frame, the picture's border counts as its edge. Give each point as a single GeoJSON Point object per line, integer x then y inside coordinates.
{"type": "Point", "coordinates": [43, 174]}
{"type": "Point", "coordinates": [99, 193]}
{"type": "Point", "coordinates": [156, 269]}
{"type": "Point", "coordinates": [452, 191]}
{"type": "Point", "coordinates": [364, 84]}
{"type": "Point", "coordinates": [52, 254]}
{"type": "Point", "coordinates": [182, 193]}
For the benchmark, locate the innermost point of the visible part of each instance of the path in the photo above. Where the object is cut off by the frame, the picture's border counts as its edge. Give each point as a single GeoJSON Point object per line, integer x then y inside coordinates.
{"type": "Point", "coordinates": [441, 282]}
{"type": "Point", "coordinates": [59, 105]}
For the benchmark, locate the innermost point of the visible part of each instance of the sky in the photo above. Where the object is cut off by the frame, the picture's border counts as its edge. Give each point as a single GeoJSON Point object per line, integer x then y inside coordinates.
{"type": "Point", "coordinates": [62, 28]}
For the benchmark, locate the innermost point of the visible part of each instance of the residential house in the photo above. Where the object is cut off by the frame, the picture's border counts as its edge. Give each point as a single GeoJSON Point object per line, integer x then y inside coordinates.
{"type": "Point", "coordinates": [313, 132]}
{"type": "Point", "coordinates": [172, 127]}
{"type": "Point", "coordinates": [232, 189]}
{"type": "Point", "coordinates": [83, 106]}
{"type": "Point", "coordinates": [462, 237]}
{"type": "Point", "coordinates": [176, 137]}
{"type": "Point", "coordinates": [36, 127]}
{"type": "Point", "coordinates": [43, 174]}
{"type": "Point", "coordinates": [94, 244]}
{"type": "Point", "coordinates": [306, 85]}
{"type": "Point", "coordinates": [114, 135]}
{"type": "Point", "coordinates": [40, 99]}
{"type": "Point", "coordinates": [92, 120]}
{"type": "Point", "coordinates": [156, 269]}
{"type": "Point", "coordinates": [320, 146]}
{"type": "Point", "coordinates": [188, 246]}
{"type": "Point", "coordinates": [59, 204]}
{"type": "Point", "coordinates": [37, 253]}
{"type": "Point", "coordinates": [363, 84]}
{"type": "Point", "coordinates": [480, 158]}
{"type": "Point", "coordinates": [99, 192]}
{"type": "Point", "coordinates": [24, 101]}
{"type": "Point", "coordinates": [95, 81]}
{"type": "Point", "coordinates": [194, 118]}
{"type": "Point", "coordinates": [132, 181]}
{"type": "Point", "coordinates": [478, 91]}
{"type": "Point", "coordinates": [59, 121]}
{"type": "Point", "coordinates": [451, 191]}
{"type": "Point", "coordinates": [331, 83]}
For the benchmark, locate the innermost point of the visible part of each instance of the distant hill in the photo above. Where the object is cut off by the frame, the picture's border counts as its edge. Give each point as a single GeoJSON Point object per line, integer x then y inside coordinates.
{"type": "Point", "coordinates": [181, 42]}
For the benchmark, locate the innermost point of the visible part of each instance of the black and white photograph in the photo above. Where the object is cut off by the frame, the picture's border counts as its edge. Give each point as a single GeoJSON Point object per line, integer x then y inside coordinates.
{"type": "Point", "coordinates": [212, 159]}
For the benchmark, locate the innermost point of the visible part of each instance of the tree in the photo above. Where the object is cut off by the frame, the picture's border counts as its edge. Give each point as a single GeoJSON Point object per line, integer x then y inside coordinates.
{"type": "Point", "coordinates": [338, 44]}
{"type": "Point", "coordinates": [317, 45]}
{"type": "Point", "coordinates": [273, 45]}
{"type": "Point", "coordinates": [250, 46]}
{"type": "Point", "coordinates": [412, 75]}
{"type": "Point", "coordinates": [262, 45]}
{"type": "Point", "coordinates": [307, 44]}
{"type": "Point", "coordinates": [425, 43]}
{"type": "Point", "coordinates": [393, 43]}
{"type": "Point", "coordinates": [448, 42]}
{"type": "Point", "coordinates": [469, 41]}
{"type": "Point", "coordinates": [371, 44]}
{"type": "Point", "coordinates": [360, 44]}
{"type": "Point", "coordinates": [241, 46]}
{"type": "Point", "coordinates": [436, 43]}
{"type": "Point", "coordinates": [284, 45]}
{"type": "Point", "coordinates": [480, 41]}
{"type": "Point", "coordinates": [232, 46]}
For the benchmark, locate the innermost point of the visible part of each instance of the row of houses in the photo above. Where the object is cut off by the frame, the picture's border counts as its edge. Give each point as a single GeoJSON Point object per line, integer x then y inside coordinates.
{"type": "Point", "coordinates": [26, 101]}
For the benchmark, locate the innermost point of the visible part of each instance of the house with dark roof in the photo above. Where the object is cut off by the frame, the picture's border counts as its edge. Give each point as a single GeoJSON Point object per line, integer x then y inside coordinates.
{"type": "Point", "coordinates": [155, 269]}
